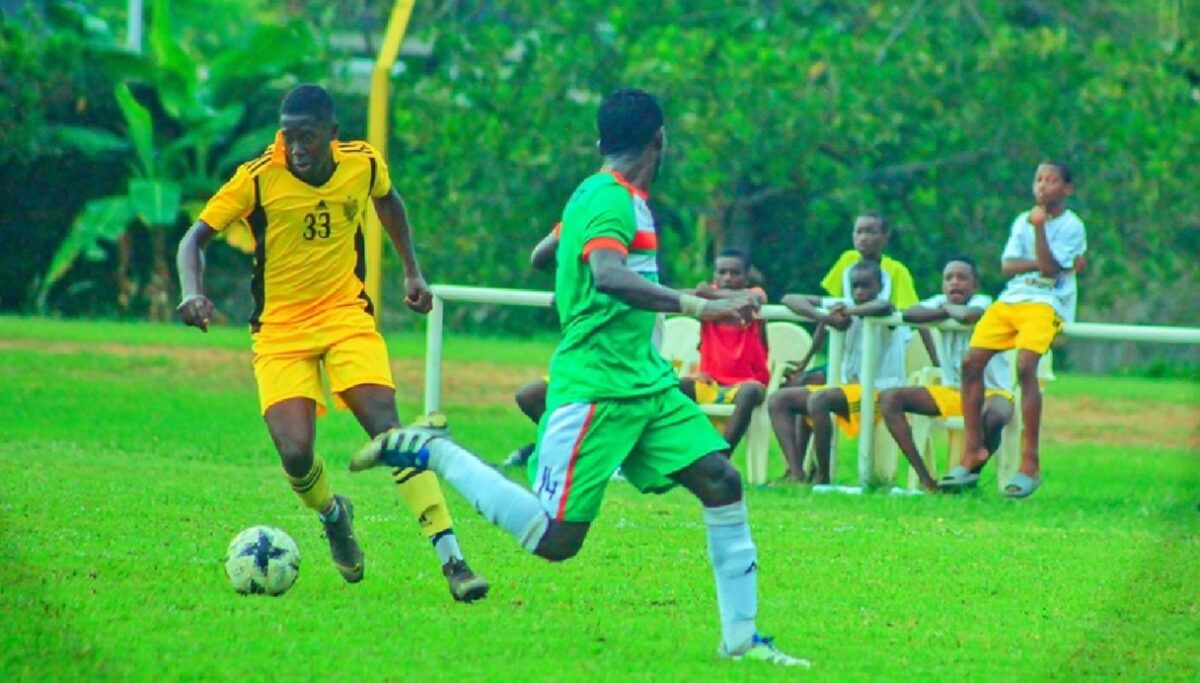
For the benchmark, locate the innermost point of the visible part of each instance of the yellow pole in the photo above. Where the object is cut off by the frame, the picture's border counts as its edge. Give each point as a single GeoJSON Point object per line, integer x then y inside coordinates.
{"type": "Point", "coordinates": [377, 135]}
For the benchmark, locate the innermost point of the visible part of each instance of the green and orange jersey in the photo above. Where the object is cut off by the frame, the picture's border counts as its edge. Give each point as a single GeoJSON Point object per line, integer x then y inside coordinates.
{"type": "Point", "coordinates": [606, 350]}
{"type": "Point", "coordinates": [309, 255]}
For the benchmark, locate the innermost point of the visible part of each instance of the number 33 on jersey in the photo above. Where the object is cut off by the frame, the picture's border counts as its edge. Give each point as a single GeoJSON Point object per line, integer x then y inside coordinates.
{"type": "Point", "coordinates": [309, 252]}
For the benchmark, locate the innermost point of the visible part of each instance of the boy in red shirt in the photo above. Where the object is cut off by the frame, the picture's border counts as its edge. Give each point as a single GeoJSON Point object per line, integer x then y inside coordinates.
{"type": "Point", "coordinates": [733, 358]}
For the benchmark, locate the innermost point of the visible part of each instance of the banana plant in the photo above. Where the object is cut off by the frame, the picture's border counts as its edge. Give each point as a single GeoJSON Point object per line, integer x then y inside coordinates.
{"type": "Point", "coordinates": [170, 176]}
{"type": "Point", "coordinates": [150, 198]}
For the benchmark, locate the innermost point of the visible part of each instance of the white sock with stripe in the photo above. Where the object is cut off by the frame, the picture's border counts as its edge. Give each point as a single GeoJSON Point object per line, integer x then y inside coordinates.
{"type": "Point", "coordinates": [735, 566]}
{"type": "Point", "coordinates": [499, 500]}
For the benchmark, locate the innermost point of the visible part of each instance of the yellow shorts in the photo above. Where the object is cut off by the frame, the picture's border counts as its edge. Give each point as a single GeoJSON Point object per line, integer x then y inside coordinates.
{"type": "Point", "coordinates": [288, 360]}
{"type": "Point", "coordinates": [849, 426]}
{"type": "Point", "coordinates": [949, 399]}
{"type": "Point", "coordinates": [713, 393]}
{"type": "Point", "coordinates": [1029, 325]}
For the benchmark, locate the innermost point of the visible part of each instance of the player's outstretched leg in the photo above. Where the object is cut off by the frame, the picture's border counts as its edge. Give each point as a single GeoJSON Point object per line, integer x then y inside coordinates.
{"type": "Point", "coordinates": [499, 500]}
{"type": "Point", "coordinates": [734, 559]}
{"type": "Point", "coordinates": [374, 407]}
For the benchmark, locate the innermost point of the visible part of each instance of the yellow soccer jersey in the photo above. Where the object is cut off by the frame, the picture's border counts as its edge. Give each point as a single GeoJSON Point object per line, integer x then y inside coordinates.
{"type": "Point", "coordinates": [308, 253]}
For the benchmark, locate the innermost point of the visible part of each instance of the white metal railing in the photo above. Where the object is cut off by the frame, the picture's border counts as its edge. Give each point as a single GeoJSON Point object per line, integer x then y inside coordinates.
{"type": "Point", "coordinates": [866, 377]}
{"type": "Point", "coordinates": [542, 299]}
{"type": "Point", "coordinates": [433, 330]}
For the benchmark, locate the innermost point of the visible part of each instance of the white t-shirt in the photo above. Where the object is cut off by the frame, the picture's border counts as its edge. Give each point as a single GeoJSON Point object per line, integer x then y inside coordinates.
{"type": "Point", "coordinates": [891, 342]}
{"type": "Point", "coordinates": [1067, 239]}
{"type": "Point", "coordinates": [953, 345]}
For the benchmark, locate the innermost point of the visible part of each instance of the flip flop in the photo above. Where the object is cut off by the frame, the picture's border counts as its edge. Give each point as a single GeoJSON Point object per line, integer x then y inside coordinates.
{"type": "Point", "coordinates": [1023, 484]}
{"type": "Point", "coordinates": [958, 479]}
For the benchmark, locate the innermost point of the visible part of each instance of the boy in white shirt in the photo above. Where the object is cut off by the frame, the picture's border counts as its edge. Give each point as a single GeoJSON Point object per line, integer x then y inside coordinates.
{"type": "Point", "coordinates": [797, 410]}
{"type": "Point", "coordinates": [1040, 255]}
{"type": "Point", "coordinates": [958, 301]}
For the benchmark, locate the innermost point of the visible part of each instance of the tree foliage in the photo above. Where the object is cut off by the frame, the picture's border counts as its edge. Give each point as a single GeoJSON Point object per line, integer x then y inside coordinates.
{"type": "Point", "coordinates": [786, 119]}
{"type": "Point", "coordinates": [184, 125]}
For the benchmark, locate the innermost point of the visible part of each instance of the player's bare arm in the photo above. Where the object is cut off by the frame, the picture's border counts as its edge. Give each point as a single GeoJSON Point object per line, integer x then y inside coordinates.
{"type": "Point", "coordinates": [613, 277]}
{"type": "Point", "coordinates": [544, 253]}
{"type": "Point", "coordinates": [195, 309]}
{"type": "Point", "coordinates": [394, 219]}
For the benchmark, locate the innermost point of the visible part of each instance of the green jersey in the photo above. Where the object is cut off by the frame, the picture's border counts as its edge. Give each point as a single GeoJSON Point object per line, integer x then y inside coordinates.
{"type": "Point", "coordinates": [606, 350]}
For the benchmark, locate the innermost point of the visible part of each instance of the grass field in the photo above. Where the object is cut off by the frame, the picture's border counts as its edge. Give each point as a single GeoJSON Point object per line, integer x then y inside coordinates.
{"type": "Point", "coordinates": [131, 454]}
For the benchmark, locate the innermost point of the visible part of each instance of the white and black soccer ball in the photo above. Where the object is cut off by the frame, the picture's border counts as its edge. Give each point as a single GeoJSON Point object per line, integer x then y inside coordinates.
{"type": "Point", "coordinates": [262, 560]}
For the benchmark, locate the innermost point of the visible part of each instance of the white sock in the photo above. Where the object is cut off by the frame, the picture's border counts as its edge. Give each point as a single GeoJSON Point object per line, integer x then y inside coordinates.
{"type": "Point", "coordinates": [446, 546]}
{"type": "Point", "coordinates": [500, 501]}
{"type": "Point", "coordinates": [735, 566]}
{"type": "Point", "coordinates": [335, 512]}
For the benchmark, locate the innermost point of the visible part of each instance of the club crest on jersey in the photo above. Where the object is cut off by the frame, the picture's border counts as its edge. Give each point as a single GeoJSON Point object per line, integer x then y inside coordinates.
{"type": "Point", "coordinates": [351, 208]}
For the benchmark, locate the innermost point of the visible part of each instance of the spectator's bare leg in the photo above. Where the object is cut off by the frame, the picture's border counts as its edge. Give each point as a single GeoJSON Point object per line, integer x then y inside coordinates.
{"type": "Point", "coordinates": [531, 399]}
{"type": "Point", "coordinates": [787, 408]}
{"type": "Point", "coordinates": [1031, 411]}
{"type": "Point", "coordinates": [821, 407]}
{"type": "Point", "coordinates": [974, 454]}
{"type": "Point", "coordinates": [893, 404]}
{"type": "Point", "coordinates": [750, 395]}
{"type": "Point", "coordinates": [997, 411]}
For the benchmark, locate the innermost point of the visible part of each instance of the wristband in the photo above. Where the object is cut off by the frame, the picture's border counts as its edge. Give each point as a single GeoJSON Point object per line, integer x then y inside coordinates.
{"type": "Point", "coordinates": [690, 304]}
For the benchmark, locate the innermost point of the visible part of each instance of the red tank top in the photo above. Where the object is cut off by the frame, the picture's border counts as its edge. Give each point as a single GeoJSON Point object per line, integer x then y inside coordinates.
{"type": "Point", "coordinates": [732, 354]}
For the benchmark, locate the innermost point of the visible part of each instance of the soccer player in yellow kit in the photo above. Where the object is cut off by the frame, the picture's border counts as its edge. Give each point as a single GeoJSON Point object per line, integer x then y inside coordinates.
{"type": "Point", "coordinates": [305, 200]}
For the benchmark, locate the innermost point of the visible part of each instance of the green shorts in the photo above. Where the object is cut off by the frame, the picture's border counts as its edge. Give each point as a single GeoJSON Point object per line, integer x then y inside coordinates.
{"type": "Point", "coordinates": [581, 445]}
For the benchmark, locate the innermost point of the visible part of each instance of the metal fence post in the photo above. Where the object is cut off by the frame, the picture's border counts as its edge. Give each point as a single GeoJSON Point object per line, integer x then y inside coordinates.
{"type": "Point", "coordinates": [866, 379]}
{"type": "Point", "coordinates": [433, 356]}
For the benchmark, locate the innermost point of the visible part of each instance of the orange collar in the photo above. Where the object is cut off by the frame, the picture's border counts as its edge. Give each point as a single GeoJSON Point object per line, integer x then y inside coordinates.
{"type": "Point", "coordinates": [633, 189]}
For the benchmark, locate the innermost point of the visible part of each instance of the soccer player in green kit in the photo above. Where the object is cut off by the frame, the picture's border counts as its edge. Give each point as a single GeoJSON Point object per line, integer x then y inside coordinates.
{"type": "Point", "coordinates": [613, 401]}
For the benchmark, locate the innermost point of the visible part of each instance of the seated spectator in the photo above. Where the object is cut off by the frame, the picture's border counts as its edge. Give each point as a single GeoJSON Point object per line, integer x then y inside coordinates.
{"type": "Point", "coordinates": [797, 411]}
{"type": "Point", "coordinates": [870, 237]}
{"type": "Point", "coordinates": [733, 358]}
{"type": "Point", "coordinates": [958, 301]}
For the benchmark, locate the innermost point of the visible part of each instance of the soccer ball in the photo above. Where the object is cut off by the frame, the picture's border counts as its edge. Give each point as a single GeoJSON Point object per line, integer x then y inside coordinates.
{"type": "Point", "coordinates": [262, 560]}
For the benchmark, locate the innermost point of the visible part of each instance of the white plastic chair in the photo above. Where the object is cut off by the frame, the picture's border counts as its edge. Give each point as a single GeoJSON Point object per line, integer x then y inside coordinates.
{"type": "Point", "coordinates": [886, 453]}
{"type": "Point", "coordinates": [1008, 454]}
{"type": "Point", "coordinates": [787, 343]}
{"type": "Point", "coordinates": [681, 344]}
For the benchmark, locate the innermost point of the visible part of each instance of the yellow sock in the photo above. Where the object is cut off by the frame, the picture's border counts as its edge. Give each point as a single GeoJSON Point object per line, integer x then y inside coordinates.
{"type": "Point", "coordinates": [313, 488]}
{"type": "Point", "coordinates": [423, 494]}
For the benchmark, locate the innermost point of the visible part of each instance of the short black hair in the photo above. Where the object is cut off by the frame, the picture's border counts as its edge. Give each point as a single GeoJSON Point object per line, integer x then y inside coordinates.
{"type": "Point", "coordinates": [627, 121]}
{"type": "Point", "coordinates": [872, 268]}
{"type": "Point", "coordinates": [884, 226]}
{"type": "Point", "coordinates": [963, 258]}
{"type": "Point", "coordinates": [309, 100]}
{"type": "Point", "coordinates": [1064, 171]}
{"type": "Point", "coordinates": [736, 253]}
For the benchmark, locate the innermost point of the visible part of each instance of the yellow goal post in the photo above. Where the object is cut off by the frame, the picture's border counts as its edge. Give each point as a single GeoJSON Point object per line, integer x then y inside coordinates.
{"type": "Point", "coordinates": [377, 135]}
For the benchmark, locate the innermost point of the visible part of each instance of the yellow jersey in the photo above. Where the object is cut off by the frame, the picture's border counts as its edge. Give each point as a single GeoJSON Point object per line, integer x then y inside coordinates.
{"type": "Point", "coordinates": [308, 252]}
{"type": "Point", "coordinates": [897, 286]}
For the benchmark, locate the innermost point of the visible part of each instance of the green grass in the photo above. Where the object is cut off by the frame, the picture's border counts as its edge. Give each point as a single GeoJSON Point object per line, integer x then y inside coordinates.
{"type": "Point", "coordinates": [131, 454]}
